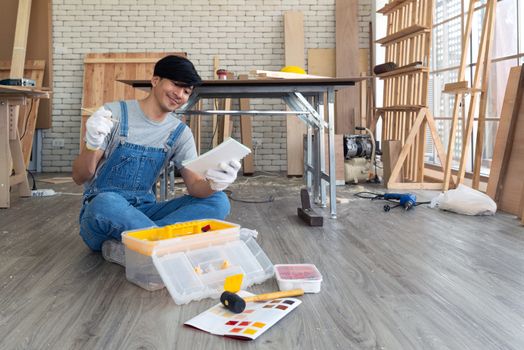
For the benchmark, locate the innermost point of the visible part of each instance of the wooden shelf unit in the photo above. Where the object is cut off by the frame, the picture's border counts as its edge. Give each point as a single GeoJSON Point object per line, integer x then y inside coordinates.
{"type": "Point", "coordinates": [413, 29]}
{"type": "Point", "coordinates": [405, 113]}
{"type": "Point", "coordinates": [403, 71]}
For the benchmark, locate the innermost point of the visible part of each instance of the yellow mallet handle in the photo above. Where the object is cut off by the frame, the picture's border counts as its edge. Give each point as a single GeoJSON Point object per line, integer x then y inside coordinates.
{"type": "Point", "coordinates": [275, 295]}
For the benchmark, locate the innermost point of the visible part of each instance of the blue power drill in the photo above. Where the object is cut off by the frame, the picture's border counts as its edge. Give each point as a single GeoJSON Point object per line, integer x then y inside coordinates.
{"type": "Point", "coordinates": [406, 200]}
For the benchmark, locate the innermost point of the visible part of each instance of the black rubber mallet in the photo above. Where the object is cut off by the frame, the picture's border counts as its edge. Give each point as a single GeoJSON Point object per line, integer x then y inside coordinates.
{"type": "Point", "coordinates": [235, 303]}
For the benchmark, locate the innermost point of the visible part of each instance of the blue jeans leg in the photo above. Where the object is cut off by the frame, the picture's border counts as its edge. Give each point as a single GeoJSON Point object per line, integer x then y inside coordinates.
{"type": "Point", "coordinates": [189, 208]}
{"type": "Point", "coordinates": [106, 216]}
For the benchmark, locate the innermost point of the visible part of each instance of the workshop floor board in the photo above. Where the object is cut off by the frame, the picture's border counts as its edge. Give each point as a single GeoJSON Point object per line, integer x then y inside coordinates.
{"type": "Point", "coordinates": [422, 279]}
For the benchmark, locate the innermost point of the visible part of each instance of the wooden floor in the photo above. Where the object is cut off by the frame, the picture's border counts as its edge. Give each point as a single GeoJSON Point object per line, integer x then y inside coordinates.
{"type": "Point", "coordinates": [422, 279]}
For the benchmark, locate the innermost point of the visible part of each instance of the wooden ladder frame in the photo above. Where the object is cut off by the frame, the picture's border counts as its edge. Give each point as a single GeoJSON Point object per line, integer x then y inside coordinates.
{"type": "Point", "coordinates": [405, 115]}
{"type": "Point", "coordinates": [479, 86]}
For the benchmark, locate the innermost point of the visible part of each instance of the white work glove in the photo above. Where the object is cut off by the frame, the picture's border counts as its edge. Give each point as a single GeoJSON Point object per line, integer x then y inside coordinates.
{"type": "Point", "coordinates": [220, 178]}
{"type": "Point", "coordinates": [98, 126]}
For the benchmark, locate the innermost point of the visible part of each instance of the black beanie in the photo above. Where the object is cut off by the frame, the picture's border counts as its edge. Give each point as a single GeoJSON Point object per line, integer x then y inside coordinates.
{"type": "Point", "coordinates": [178, 69]}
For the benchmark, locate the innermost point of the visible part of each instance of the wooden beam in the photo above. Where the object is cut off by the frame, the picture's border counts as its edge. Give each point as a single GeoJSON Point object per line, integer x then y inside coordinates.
{"type": "Point", "coordinates": [195, 123]}
{"type": "Point", "coordinates": [285, 75]}
{"type": "Point", "coordinates": [458, 97]}
{"type": "Point", "coordinates": [294, 56]}
{"type": "Point", "coordinates": [20, 43]}
{"type": "Point", "coordinates": [246, 133]}
{"type": "Point", "coordinates": [506, 131]}
{"type": "Point", "coordinates": [481, 122]}
{"type": "Point", "coordinates": [321, 62]}
{"type": "Point", "coordinates": [390, 152]}
{"type": "Point", "coordinates": [406, 148]}
{"type": "Point", "coordinates": [346, 37]}
{"type": "Point", "coordinates": [214, 118]}
{"type": "Point", "coordinates": [487, 25]}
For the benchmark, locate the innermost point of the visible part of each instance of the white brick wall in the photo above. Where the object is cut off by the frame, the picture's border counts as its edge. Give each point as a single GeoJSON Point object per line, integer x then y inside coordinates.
{"type": "Point", "coordinates": [245, 35]}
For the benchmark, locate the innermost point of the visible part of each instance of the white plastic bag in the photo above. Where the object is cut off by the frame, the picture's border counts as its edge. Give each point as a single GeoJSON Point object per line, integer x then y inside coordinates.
{"type": "Point", "coordinates": [465, 200]}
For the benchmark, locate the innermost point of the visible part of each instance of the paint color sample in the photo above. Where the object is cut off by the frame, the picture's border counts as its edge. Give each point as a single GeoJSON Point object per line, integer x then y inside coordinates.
{"type": "Point", "coordinates": [227, 313]}
{"type": "Point", "coordinates": [289, 302]}
{"type": "Point", "coordinates": [250, 331]}
{"type": "Point", "coordinates": [250, 324]}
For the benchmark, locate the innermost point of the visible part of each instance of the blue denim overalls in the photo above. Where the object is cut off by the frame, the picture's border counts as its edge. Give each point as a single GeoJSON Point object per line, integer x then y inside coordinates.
{"type": "Point", "coordinates": [121, 196]}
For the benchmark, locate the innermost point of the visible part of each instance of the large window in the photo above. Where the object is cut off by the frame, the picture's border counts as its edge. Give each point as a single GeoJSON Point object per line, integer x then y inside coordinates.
{"type": "Point", "coordinates": [507, 51]}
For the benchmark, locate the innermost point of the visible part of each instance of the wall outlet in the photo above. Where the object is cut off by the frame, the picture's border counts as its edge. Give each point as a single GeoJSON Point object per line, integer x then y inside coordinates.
{"type": "Point", "coordinates": [57, 143]}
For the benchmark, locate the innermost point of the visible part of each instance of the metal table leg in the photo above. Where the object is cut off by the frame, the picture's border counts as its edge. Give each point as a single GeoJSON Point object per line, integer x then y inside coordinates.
{"type": "Point", "coordinates": [322, 151]}
{"type": "Point", "coordinates": [331, 134]}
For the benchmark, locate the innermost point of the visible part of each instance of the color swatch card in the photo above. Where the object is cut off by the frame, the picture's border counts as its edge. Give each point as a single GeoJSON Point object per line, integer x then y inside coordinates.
{"type": "Point", "coordinates": [228, 150]}
{"type": "Point", "coordinates": [248, 325]}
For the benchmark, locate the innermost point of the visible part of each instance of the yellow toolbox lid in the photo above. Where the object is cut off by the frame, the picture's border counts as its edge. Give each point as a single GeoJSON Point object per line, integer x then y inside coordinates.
{"type": "Point", "coordinates": [145, 240]}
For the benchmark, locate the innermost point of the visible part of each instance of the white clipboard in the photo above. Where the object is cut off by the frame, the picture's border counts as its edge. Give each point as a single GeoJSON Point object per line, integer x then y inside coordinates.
{"type": "Point", "coordinates": [228, 150]}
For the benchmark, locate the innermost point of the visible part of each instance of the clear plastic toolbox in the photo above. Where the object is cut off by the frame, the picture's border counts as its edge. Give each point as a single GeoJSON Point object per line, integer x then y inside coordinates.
{"type": "Point", "coordinates": [180, 237]}
{"type": "Point", "coordinates": [201, 273]}
{"type": "Point", "coordinates": [194, 266]}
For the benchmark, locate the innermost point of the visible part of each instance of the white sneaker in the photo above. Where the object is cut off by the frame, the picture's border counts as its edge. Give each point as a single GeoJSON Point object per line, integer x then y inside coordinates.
{"type": "Point", "coordinates": [114, 251]}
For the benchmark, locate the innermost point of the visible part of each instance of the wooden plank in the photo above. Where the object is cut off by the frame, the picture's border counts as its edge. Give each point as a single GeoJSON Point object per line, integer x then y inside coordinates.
{"type": "Point", "coordinates": [246, 133]}
{"type": "Point", "coordinates": [40, 47]}
{"type": "Point", "coordinates": [505, 131]}
{"type": "Point", "coordinates": [414, 29]}
{"type": "Point", "coordinates": [285, 75]}
{"type": "Point", "coordinates": [195, 124]}
{"type": "Point", "coordinates": [294, 56]}
{"type": "Point", "coordinates": [322, 62]}
{"type": "Point", "coordinates": [137, 60]}
{"type": "Point", "coordinates": [390, 153]}
{"type": "Point", "coordinates": [458, 97]}
{"type": "Point", "coordinates": [339, 158]}
{"type": "Point", "coordinates": [505, 181]}
{"type": "Point", "coordinates": [227, 122]}
{"type": "Point", "coordinates": [481, 120]}
{"type": "Point", "coordinates": [214, 118]}
{"type": "Point", "coordinates": [20, 42]}
{"type": "Point", "coordinates": [294, 39]}
{"type": "Point", "coordinates": [19, 167]}
{"type": "Point", "coordinates": [482, 60]}
{"type": "Point", "coordinates": [510, 192]}
{"type": "Point", "coordinates": [346, 37]}
{"type": "Point", "coordinates": [414, 186]}
{"type": "Point", "coordinates": [406, 148]}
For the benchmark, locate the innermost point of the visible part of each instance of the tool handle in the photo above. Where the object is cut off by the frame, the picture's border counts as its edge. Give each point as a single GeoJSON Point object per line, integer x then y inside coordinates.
{"type": "Point", "coordinates": [275, 295]}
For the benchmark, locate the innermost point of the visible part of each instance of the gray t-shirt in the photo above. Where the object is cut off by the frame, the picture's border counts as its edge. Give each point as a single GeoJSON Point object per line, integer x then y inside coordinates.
{"type": "Point", "coordinates": [145, 132]}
